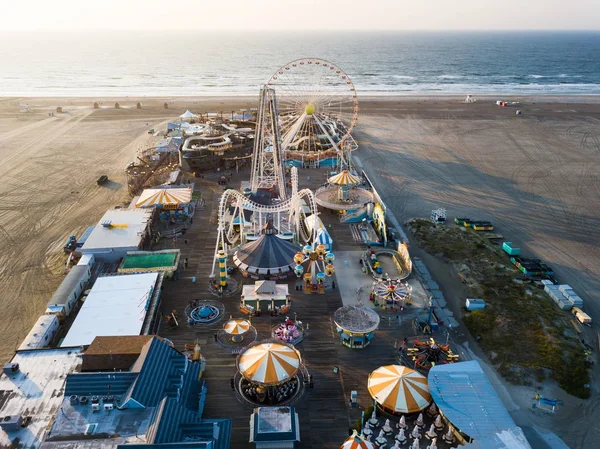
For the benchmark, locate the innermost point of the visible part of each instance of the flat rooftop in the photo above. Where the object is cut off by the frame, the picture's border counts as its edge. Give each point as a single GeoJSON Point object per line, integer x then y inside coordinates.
{"type": "Point", "coordinates": [116, 305]}
{"type": "Point", "coordinates": [36, 390]}
{"type": "Point", "coordinates": [126, 229]}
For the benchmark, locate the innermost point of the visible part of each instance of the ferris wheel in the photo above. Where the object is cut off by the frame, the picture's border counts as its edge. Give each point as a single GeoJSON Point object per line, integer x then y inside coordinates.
{"type": "Point", "coordinates": [318, 107]}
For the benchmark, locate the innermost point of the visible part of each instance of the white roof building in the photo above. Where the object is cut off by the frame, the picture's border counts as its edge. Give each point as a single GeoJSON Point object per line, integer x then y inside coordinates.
{"type": "Point", "coordinates": [42, 333]}
{"type": "Point", "coordinates": [117, 232]}
{"type": "Point", "coordinates": [116, 305]}
{"type": "Point", "coordinates": [34, 389]}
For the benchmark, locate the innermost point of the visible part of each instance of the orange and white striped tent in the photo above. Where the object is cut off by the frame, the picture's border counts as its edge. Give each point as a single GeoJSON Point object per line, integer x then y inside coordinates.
{"type": "Point", "coordinates": [237, 326]}
{"type": "Point", "coordinates": [164, 197]}
{"type": "Point", "coordinates": [357, 442]}
{"type": "Point", "coordinates": [269, 363]}
{"type": "Point", "coordinates": [344, 178]}
{"type": "Point", "coordinates": [399, 389]}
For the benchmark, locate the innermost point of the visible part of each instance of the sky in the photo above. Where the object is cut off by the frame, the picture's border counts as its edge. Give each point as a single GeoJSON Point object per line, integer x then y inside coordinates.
{"type": "Point", "coordinates": [238, 15]}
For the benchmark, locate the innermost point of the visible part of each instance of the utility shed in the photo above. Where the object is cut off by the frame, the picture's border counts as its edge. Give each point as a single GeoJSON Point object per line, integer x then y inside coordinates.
{"type": "Point", "coordinates": [116, 305]}
{"type": "Point", "coordinates": [117, 232]}
{"type": "Point", "coordinates": [69, 291]}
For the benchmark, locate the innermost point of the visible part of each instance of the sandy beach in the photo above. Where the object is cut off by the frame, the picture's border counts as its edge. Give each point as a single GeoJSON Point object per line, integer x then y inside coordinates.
{"type": "Point", "coordinates": [536, 176]}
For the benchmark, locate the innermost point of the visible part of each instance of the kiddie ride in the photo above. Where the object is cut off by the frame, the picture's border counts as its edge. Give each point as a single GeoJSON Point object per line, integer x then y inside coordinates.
{"type": "Point", "coordinates": [319, 264]}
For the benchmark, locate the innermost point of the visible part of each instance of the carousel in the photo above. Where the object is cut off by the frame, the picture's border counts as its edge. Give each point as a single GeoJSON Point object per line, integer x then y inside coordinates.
{"type": "Point", "coordinates": [236, 333]}
{"type": "Point", "coordinates": [289, 331]}
{"type": "Point", "coordinates": [391, 294]}
{"type": "Point", "coordinates": [356, 325]}
{"type": "Point", "coordinates": [356, 441]}
{"type": "Point", "coordinates": [424, 354]}
{"type": "Point", "coordinates": [270, 373]}
{"type": "Point", "coordinates": [399, 390]}
{"type": "Point", "coordinates": [236, 328]}
{"type": "Point", "coordinates": [342, 192]}
{"type": "Point", "coordinates": [313, 265]}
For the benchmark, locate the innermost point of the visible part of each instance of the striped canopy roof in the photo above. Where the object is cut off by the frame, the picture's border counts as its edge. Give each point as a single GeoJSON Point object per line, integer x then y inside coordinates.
{"type": "Point", "coordinates": [237, 326]}
{"type": "Point", "coordinates": [344, 178]}
{"type": "Point", "coordinates": [357, 442]}
{"type": "Point", "coordinates": [399, 389]}
{"type": "Point", "coordinates": [162, 197]}
{"type": "Point", "coordinates": [269, 363]}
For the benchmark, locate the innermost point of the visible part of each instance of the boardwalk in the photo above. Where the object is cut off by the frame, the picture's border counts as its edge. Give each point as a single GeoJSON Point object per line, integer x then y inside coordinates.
{"type": "Point", "coordinates": [324, 411]}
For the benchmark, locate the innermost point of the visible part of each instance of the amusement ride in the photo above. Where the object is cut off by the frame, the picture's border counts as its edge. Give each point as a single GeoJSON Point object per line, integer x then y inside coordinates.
{"type": "Point", "coordinates": [318, 111]}
{"type": "Point", "coordinates": [319, 264]}
{"type": "Point", "coordinates": [308, 110]}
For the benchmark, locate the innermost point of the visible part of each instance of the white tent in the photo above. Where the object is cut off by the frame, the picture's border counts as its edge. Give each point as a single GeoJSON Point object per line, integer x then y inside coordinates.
{"type": "Point", "coordinates": [188, 115]}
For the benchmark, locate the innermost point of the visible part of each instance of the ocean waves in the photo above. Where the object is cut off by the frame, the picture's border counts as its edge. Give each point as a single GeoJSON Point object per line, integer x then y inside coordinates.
{"type": "Point", "coordinates": [378, 64]}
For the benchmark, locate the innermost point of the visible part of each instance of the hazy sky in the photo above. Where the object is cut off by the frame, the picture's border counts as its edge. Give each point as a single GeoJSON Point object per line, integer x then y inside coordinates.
{"type": "Point", "coordinates": [93, 15]}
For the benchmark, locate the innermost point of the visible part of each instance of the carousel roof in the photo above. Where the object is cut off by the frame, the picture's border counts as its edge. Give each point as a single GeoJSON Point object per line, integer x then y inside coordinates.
{"type": "Point", "coordinates": [267, 253]}
{"type": "Point", "coordinates": [357, 442]}
{"type": "Point", "coordinates": [344, 178]}
{"type": "Point", "coordinates": [359, 319]}
{"type": "Point", "coordinates": [154, 197]}
{"type": "Point", "coordinates": [269, 363]}
{"type": "Point", "coordinates": [237, 326]}
{"type": "Point", "coordinates": [399, 388]}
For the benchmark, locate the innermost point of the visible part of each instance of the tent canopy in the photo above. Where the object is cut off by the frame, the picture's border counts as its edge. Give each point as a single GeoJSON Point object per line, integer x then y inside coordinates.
{"type": "Point", "coordinates": [236, 326]}
{"type": "Point", "coordinates": [164, 197]}
{"type": "Point", "coordinates": [357, 442]}
{"type": "Point", "coordinates": [188, 114]}
{"type": "Point", "coordinates": [269, 363]}
{"type": "Point", "coordinates": [323, 238]}
{"type": "Point", "coordinates": [344, 178]}
{"type": "Point", "coordinates": [399, 389]}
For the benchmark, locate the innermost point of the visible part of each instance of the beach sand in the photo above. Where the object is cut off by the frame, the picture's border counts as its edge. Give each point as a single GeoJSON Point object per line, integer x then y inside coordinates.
{"type": "Point", "coordinates": [535, 176]}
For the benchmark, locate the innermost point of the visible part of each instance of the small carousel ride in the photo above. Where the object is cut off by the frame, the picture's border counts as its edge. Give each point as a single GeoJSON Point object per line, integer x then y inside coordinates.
{"type": "Point", "coordinates": [270, 373]}
{"type": "Point", "coordinates": [392, 294]}
{"type": "Point", "coordinates": [313, 265]}
{"type": "Point", "coordinates": [289, 331]}
{"type": "Point", "coordinates": [425, 354]}
{"type": "Point", "coordinates": [236, 328]}
{"type": "Point", "coordinates": [342, 192]}
{"type": "Point", "coordinates": [356, 325]}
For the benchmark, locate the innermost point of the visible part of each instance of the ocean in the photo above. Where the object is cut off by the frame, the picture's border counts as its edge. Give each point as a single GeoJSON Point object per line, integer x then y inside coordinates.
{"type": "Point", "coordinates": [237, 63]}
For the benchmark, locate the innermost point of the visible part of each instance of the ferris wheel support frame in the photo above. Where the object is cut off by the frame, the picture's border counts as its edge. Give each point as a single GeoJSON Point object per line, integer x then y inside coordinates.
{"type": "Point", "coordinates": [267, 166]}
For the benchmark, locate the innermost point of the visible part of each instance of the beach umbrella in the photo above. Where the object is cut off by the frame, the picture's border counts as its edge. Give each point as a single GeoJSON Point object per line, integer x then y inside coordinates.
{"type": "Point", "coordinates": [236, 326]}
{"type": "Point", "coordinates": [344, 178]}
{"type": "Point", "coordinates": [357, 442]}
{"type": "Point", "coordinates": [399, 389]}
{"type": "Point", "coordinates": [269, 363]}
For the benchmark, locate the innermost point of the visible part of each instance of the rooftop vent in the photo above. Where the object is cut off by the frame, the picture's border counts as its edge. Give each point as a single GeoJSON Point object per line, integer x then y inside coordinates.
{"type": "Point", "coordinates": [10, 368]}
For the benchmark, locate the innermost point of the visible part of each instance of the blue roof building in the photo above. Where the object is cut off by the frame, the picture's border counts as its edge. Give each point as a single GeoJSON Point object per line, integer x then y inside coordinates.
{"type": "Point", "coordinates": [466, 398]}
{"type": "Point", "coordinates": [158, 403]}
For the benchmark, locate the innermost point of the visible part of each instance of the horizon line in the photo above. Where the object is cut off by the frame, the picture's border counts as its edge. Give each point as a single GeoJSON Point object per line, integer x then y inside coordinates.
{"type": "Point", "coordinates": [319, 30]}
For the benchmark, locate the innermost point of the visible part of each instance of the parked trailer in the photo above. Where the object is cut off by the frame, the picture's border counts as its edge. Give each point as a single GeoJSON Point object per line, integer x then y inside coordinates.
{"type": "Point", "coordinates": [581, 316]}
{"type": "Point", "coordinates": [510, 250]}
{"type": "Point", "coordinates": [474, 304]}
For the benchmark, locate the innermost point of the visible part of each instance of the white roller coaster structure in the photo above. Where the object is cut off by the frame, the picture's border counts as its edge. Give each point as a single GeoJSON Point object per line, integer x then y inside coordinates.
{"type": "Point", "coordinates": [288, 217]}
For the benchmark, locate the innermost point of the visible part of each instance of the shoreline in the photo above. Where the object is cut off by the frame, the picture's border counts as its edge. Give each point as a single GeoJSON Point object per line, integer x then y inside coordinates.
{"type": "Point", "coordinates": [546, 98]}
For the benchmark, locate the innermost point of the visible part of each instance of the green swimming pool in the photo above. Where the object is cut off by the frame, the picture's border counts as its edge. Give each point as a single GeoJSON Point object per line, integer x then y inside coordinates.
{"type": "Point", "coordinates": [149, 260]}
